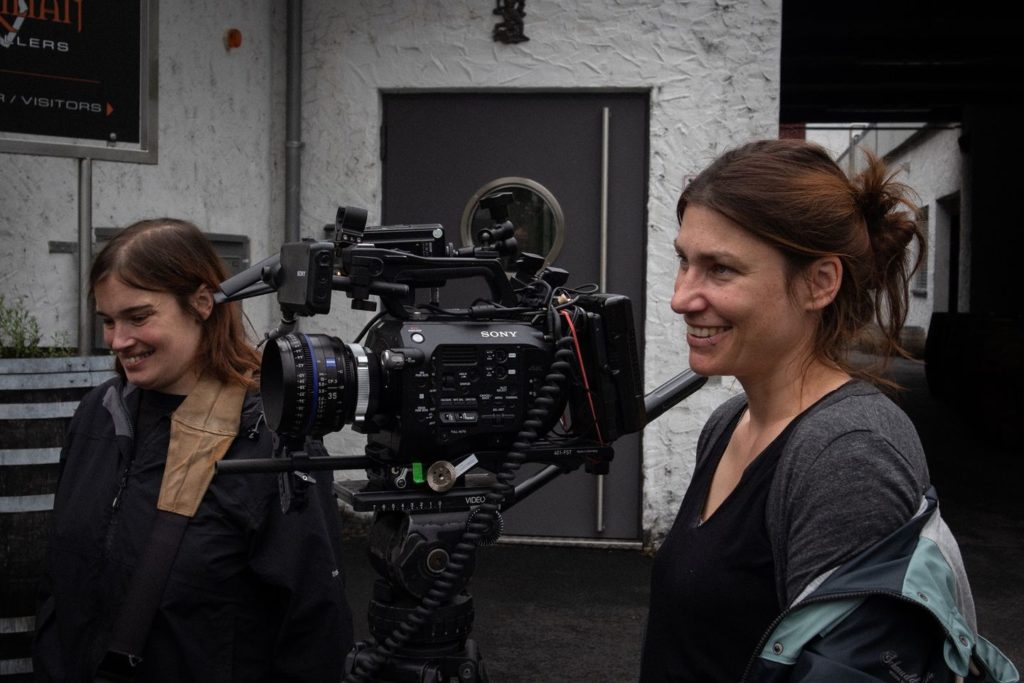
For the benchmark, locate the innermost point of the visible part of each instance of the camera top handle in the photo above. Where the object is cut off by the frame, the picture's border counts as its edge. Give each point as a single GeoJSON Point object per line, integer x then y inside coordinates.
{"type": "Point", "coordinates": [391, 274]}
{"type": "Point", "coordinates": [366, 266]}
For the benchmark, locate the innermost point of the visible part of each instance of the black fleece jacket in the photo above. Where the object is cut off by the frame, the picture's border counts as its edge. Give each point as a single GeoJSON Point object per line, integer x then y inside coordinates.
{"type": "Point", "coordinates": [253, 594]}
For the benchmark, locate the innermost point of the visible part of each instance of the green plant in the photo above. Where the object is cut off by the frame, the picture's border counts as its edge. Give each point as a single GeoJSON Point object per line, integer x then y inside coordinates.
{"type": "Point", "coordinates": [20, 336]}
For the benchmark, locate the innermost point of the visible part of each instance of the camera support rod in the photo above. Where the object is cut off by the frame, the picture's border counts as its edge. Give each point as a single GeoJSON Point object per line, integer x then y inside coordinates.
{"type": "Point", "coordinates": [655, 403]}
{"type": "Point", "coordinates": [672, 392]}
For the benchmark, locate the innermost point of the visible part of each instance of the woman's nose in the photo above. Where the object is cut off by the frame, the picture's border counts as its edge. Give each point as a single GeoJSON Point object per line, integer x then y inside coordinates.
{"type": "Point", "coordinates": [686, 297]}
{"type": "Point", "coordinates": [116, 337]}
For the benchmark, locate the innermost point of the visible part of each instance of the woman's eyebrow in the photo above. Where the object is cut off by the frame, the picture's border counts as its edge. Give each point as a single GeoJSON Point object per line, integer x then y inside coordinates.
{"type": "Point", "coordinates": [712, 255]}
{"type": "Point", "coordinates": [130, 311]}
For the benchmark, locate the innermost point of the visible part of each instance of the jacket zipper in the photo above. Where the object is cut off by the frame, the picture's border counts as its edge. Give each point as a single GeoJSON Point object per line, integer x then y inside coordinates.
{"type": "Point", "coordinates": [123, 483]}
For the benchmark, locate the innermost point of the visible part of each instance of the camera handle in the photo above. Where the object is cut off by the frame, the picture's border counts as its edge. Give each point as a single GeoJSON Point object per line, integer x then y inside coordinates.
{"type": "Point", "coordinates": [366, 266]}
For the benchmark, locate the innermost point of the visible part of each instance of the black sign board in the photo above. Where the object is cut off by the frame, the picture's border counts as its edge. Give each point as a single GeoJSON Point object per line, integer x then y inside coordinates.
{"type": "Point", "coordinates": [77, 70]}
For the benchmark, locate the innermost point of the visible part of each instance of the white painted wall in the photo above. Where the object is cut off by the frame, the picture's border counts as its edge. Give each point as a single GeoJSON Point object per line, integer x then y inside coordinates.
{"type": "Point", "coordinates": [220, 114]}
{"type": "Point", "coordinates": [712, 67]}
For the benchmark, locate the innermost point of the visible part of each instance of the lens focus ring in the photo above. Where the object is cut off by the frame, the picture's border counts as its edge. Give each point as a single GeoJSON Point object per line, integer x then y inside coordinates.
{"type": "Point", "coordinates": [362, 367]}
{"type": "Point", "coordinates": [314, 384]}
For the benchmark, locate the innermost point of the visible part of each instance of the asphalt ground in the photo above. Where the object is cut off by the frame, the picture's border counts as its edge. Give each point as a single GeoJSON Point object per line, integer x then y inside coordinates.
{"type": "Point", "coordinates": [547, 613]}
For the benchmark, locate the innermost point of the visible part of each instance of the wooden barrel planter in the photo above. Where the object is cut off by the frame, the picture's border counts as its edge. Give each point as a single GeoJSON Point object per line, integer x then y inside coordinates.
{"type": "Point", "coordinates": [38, 396]}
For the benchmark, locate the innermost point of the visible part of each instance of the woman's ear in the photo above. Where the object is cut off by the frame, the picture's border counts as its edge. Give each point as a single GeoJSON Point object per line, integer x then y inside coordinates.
{"type": "Point", "coordinates": [202, 301]}
{"type": "Point", "coordinates": [823, 279]}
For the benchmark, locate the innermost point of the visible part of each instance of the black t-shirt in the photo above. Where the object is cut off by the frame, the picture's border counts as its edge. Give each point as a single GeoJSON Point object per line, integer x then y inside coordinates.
{"type": "Point", "coordinates": [713, 583]}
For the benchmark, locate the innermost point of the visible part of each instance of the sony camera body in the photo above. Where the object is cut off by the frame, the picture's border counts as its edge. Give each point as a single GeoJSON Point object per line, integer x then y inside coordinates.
{"type": "Point", "coordinates": [430, 383]}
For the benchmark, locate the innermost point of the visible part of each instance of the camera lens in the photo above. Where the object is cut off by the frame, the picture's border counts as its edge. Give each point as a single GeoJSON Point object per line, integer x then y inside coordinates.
{"type": "Point", "coordinates": [314, 384]}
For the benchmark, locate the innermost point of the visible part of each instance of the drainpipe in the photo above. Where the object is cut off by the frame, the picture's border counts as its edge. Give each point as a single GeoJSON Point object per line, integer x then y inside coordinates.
{"type": "Point", "coordinates": [85, 313]}
{"type": "Point", "coordinates": [293, 123]}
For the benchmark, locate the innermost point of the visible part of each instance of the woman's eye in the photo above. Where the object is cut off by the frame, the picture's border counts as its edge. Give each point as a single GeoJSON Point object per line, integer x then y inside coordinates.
{"type": "Point", "coordinates": [719, 269]}
{"type": "Point", "coordinates": [139, 319]}
{"type": "Point", "coordinates": [107, 323]}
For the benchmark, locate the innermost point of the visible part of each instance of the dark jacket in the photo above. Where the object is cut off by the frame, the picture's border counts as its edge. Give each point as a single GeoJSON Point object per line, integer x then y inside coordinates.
{"type": "Point", "coordinates": [901, 611]}
{"type": "Point", "coordinates": [253, 594]}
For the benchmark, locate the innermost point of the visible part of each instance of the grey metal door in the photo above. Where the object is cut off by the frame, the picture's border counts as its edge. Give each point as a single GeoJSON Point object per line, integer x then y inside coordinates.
{"type": "Point", "coordinates": [441, 148]}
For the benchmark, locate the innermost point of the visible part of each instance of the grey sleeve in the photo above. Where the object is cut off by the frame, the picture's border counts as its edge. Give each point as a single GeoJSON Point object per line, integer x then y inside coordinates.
{"type": "Point", "coordinates": [840, 497]}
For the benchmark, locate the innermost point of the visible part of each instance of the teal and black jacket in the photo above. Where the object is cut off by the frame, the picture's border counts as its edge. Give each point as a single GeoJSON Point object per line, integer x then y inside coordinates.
{"type": "Point", "coordinates": [900, 611]}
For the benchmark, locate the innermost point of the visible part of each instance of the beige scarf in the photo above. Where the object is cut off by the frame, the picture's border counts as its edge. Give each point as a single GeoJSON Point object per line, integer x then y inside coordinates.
{"type": "Point", "coordinates": [202, 429]}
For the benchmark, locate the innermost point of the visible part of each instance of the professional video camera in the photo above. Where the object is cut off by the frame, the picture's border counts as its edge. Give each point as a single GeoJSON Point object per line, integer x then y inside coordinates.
{"type": "Point", "coordinates": [451, 400]}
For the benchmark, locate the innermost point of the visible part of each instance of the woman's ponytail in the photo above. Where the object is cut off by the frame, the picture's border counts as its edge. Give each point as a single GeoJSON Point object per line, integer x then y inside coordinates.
{"type": "Point", "coordinates": [890, 219]}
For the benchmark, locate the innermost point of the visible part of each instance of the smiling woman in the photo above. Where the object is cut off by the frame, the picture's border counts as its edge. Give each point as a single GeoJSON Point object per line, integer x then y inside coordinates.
{"type": "Point", "coordinates": [783, 260]}
{"type": "Point", "coordinates": [153, 283]}
{"type": "Point", "coordinates": [237, 586]}
{"type": "Point", "coordinates": [155, 340]}
{"type": "Point", "coordinates": [741, 317]}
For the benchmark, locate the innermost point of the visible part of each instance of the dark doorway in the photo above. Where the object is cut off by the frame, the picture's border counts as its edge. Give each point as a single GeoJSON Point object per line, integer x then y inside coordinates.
{"type": "Point", "coordinates": [441, 149]}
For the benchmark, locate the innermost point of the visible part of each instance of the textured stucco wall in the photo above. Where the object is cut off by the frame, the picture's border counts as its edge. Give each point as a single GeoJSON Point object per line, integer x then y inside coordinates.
{"type": "Point", "coordinates": [713, 70]}
{"type": "Point", "coordinates": [219, 114]}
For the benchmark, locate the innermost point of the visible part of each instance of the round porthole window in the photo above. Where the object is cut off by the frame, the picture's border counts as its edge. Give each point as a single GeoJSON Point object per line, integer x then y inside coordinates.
{"type": "Point", "coordinates": [534, 212]}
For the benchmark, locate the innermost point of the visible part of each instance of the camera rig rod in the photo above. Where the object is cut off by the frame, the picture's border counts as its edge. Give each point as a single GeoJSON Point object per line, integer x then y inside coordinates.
{"type": "Point", "coordinates": [293, 462]}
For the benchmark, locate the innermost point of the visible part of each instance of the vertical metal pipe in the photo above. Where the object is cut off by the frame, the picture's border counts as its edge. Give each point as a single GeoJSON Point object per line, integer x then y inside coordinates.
{"type": "Point", "coordinates": [605, 135]}
{"type": "Point", "coordinates": [85, 317]}
{"type": "Point", "coordinates": [293, 123]}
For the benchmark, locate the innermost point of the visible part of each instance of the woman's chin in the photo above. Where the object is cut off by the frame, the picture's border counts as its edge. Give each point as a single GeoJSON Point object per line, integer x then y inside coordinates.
{"type": "Point", "coordinates": [702, 365]}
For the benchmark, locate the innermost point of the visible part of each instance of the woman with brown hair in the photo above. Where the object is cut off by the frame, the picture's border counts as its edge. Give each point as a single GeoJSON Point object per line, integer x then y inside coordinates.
{"type": "Point", "coordinates": [159, 570]}
{"type": "Point", "coordinates": [783, 261]}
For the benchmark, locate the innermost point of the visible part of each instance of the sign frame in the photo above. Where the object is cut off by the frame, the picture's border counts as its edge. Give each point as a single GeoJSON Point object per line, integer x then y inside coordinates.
{"type": "Point", "coordinates": [142, 152]}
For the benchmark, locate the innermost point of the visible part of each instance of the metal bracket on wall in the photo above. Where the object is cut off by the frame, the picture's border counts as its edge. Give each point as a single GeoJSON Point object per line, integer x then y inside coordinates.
{"type": "Point", "coordinates": [63, 247]}
{"type": "Point", "coordinates": [510, 29]}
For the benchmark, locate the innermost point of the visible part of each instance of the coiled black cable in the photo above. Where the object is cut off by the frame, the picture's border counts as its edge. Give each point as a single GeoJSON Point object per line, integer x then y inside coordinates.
{"type": "Point", "coordinates": [477, 529]}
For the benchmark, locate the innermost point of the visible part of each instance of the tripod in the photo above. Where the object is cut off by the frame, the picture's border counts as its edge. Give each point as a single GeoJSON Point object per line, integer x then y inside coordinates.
{"type": "Point", "coordinates": [412, 639]}
{"type": "Point", "coordinates": [422, 545]}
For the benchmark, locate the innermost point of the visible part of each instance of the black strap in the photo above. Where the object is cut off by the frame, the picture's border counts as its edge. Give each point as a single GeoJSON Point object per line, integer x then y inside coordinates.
{"type": "Point", "coordinates": [144, 594]}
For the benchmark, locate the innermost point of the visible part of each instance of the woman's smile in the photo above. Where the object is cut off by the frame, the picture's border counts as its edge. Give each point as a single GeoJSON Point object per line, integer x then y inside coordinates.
{"type": "Point", "coordinates": [697, 336]}
{"type": "Point", "coordinates": [132, 361]}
